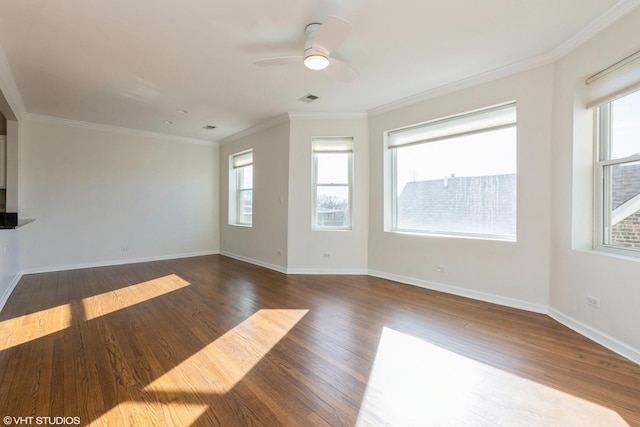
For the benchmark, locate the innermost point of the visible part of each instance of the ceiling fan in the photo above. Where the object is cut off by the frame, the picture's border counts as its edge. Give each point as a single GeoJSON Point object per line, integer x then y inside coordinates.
{"type": "Point", "coordinates": [322, 40]}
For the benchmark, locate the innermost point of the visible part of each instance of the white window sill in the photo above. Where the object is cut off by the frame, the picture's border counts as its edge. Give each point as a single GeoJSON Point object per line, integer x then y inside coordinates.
{"type": "Point", "coordinates": [612, 254]}
{"type": "Point", "coordinates": [454, 236]}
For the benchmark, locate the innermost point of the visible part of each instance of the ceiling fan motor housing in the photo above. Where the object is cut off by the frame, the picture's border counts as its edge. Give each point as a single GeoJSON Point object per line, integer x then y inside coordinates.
{"type": "Point", "coordinates": [309, 49]}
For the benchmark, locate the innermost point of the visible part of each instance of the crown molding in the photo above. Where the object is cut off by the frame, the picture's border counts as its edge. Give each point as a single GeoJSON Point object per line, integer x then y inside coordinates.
{"type": "Point", "coordinates": [9, 88]}
{"type": "Point", "coordinates": [282, 118]}
{"type": "Point", "coordinates": [616, 12]}
{"type": "Point", "coordinates": [327, 115]}
{"type": "Point", "coordinates": [115, 129]}
{"type": "Point", "coordinates": [491, 75]}
{"type": "Point", "coordinates": [603, 21]}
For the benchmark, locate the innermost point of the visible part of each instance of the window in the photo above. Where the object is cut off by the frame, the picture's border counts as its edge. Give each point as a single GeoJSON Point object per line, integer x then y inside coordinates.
{"type": "Point", "coordinates": [618, 175]}
{"type": "Point", "coordinates": [614, 94]}
{"type": "Point", "coordinates": [332, 171]}
{"type": "Point", "coordinates": [456, 175]}
{"type": "Point", "coordinates": [241, 188]}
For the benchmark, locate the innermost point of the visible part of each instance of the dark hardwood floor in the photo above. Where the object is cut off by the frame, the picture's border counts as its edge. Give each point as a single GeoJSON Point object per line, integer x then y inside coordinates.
{"type": "Point", "coordinates": [214, 341]}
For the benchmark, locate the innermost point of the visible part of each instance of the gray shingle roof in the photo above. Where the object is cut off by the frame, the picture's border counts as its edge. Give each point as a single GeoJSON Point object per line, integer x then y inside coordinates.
{"type": "Point", "coordinates": [626, 183]}
{"type": "Point", "coordinates": [482, 204]}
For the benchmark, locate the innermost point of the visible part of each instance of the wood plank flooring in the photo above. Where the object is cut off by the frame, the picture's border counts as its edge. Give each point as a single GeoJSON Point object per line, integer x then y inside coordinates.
{"type": "Point", "coordinates": [211, 341]}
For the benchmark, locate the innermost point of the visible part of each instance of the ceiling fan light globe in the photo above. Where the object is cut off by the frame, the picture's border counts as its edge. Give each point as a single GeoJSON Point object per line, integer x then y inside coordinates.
{"type": "Point", "coordinates": [316, 62]}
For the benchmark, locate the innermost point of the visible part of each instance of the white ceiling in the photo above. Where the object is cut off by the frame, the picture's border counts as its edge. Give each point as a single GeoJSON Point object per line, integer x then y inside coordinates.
{"type": "Point", "coordinates": [132, 64]}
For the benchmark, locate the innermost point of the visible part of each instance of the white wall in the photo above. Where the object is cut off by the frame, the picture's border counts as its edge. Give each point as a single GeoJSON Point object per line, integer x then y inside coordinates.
{"type": "Point", "coordinates": [347, 249]}
{"type": "Point", "coordinates": [265, 242]}
{"type": "Point", "coordinates": [512, 273]}
{"type": "Point", "coordinates": [94, 192]}
{"type": "Point", "coordinates": [576, 270]}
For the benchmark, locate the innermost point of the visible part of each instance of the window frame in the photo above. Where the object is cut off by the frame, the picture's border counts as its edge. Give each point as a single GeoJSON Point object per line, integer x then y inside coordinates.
{"type": "Point", "coordinates": [237, 189]}
{"type": "Point", "coordinates": [344, 148]}
{"type": "Point", "coordinates": [602, 196]}
{"type": "Point", "coordinates": [392, 153]}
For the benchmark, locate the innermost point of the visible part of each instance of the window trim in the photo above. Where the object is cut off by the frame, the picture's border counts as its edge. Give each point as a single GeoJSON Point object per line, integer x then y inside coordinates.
{"type": "Point", "coordinates": [331, 145]}
{"type": "Point", "coordinates": [500, 118]}
{"type": "Point", "coordinates": [238, 162]}
{"type": "Point", "coordinates": [601, 197]}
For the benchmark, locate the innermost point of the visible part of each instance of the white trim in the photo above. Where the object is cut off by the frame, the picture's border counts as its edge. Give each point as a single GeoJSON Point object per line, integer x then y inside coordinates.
{"type": "Point", "coordinates": [602, 251]}
{"type": "Point", "coordinates": [315, 184]}
{"type": "Point", "coordinates": [593, 334]}
{"type": "Point", "coordinates": [467, 293]}
{"type": "Point", "coordinates": [282, 118]}
{"type": "Point", "coordinates": [603, 21]}
{"type": "Point", "coordinates": [587, 331]}
{"type": "Point", "coordinates": [297, 271]}
{"type": "Point", "coordinates": [118, 262]}
{"type": "Point", "coordinates": [488, 76]}
{"type": "Point", "coordinates": [328, 115]}
{"type": "Point", "coordinates": [9, 290]}
{"type": "Point", "coordinates": [116, 129]}
{"type": "Point", "coordinates": [616, 12]}
{"type": "Point", "coordinates": [278, 268]}
{"type": "Point", "coordinates": [329, 271]}
{"type": "Point", "coordinates": [624, 210]}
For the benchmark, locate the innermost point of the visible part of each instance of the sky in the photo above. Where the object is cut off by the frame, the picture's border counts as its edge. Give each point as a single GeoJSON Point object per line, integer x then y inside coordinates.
{"type": "Point", "coordinates": [487, 153]}
{"type": "Point", "coordinates": [626, 126]}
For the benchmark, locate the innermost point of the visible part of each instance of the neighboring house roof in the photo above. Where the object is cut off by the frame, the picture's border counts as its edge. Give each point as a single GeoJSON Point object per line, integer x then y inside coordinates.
{"type": "Point", "coordinates": [625, 191]}
{"type": "Point", "coordinates": [481, 204]}
{"type": "Point", "coordinates": [625, 183]}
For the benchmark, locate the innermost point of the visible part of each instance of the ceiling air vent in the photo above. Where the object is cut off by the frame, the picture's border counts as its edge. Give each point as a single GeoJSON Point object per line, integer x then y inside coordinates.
{"type": "Point", "coordinates": [308, 98]}
{"type": "Point", "coordinates": [208, 127]}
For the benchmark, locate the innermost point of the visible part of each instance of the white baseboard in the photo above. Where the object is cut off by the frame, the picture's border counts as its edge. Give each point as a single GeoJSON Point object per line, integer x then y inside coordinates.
{"type": "Point", "coordinates": [327, 271]}
{"type": "Point", "coordinates": [257, 262]}
{"type": "Point", "coordinates": [601, 338]}
{"type": "Point", "coordinates": [593, 334]}
{"type": "Point", "coordinates": [117, 262]}
{"type": "Point", "coordinates": [7, 293]}
{"type": "Point", "coordinates": [467, 293]}
{"type": "Point", "coordinates": [284, 270]}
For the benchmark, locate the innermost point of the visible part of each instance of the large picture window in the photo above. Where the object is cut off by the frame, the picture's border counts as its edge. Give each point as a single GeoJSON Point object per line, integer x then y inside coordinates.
{"type": "Point", "coordinates": [456, 175]}
{"type": "Point", "coordinates": [332, 172]}
{"type": "Point", "coordinates": [241, 188]}
{"type": "Point", "coordinates": [618, 175]}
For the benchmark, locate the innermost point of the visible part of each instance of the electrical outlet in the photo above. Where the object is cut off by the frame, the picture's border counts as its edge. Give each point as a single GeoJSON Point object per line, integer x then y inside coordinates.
{"type": "Point", "coordinates": [124, 249]}
{"type": "Point", "coordinates": [326, 255]}
{"type": "Point", "coordinates": [593, 302]}
{"type": "Point", "coordinates": [440, 268]}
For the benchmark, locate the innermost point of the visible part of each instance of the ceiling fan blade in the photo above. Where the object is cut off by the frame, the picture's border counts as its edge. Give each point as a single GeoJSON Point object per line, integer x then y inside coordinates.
{"type": "Point", "coordinates": [341, 71]}
{"type": "Point", "coordinates": [332, 33]}
{"type": "Point", "coordinates": [282, 60]}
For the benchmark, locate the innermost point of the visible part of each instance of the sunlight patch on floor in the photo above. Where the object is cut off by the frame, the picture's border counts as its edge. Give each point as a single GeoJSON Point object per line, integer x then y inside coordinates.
{"type": "Point", "coordinates": [219, 366]}
{"type": "Point", "coordinates": [102, 304]}
{"type": "Point", "coordinates": [413, 382]}
{"type": "Point", "coordinates": [22, 329]}
{"type": "Point", "coordinates": [136, 414]}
